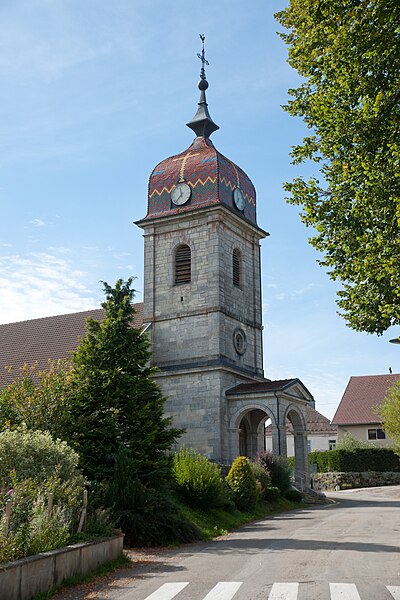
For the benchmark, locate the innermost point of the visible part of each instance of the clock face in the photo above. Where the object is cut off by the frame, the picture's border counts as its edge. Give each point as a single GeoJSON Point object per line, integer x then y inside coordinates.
{"type": "Point", "coordinates": [238, 198]}
{"type": "Point", "coordinates": [180, 194]}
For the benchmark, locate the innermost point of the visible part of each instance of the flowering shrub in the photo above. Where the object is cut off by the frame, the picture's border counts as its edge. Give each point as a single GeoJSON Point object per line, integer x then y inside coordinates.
{"type": "Point", "coordinates": [277, 468]}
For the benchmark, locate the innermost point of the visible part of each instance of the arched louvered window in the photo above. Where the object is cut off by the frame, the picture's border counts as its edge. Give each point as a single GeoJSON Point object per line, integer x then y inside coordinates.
{"type": "Point", "coordinates": [236, 264]}
{"type": "Point", "coordinates": [182, 264]}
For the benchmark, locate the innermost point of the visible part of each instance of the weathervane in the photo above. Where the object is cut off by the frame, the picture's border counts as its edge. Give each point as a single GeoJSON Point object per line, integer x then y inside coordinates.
{"type": "Point", "coordinates": [202, 58]}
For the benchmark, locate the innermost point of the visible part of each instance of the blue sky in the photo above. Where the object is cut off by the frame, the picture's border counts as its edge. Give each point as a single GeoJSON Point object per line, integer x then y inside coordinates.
{"type": "Point", "coordinates": [93, 95]}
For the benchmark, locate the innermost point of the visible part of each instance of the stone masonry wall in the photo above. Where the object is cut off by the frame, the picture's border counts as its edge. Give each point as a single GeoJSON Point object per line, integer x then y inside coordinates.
{"type": "Point", "coordinates": [345, 481]}
{"type": "Point", "coordinates": [196, 402]}
{"type": "Point", "coordinates": [196, 320]}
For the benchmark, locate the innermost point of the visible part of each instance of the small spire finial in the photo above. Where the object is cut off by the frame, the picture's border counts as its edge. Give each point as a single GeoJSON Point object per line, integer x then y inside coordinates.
{"type": "Point", "coordinates": [202, 124]}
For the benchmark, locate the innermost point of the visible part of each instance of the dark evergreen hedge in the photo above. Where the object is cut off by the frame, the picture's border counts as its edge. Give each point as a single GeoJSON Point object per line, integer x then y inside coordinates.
{"type": "Point", "coordinates": [359, 460]}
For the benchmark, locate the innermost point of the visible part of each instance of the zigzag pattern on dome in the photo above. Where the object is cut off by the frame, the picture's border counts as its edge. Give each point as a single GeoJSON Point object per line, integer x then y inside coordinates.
{"type": "Point", "coordinates": [211, 176]}
{"type": "Point", "coordinates": [192, 185]}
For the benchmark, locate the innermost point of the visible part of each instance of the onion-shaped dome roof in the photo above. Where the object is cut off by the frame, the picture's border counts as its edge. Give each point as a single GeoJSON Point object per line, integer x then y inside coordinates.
{"type": "Point", "coordinates": [200, 176]}
{"type": "Point", "coordinates": [211, 177]}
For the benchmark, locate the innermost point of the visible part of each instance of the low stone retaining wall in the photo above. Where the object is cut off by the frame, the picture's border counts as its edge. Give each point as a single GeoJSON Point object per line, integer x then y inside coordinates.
{"type": "Point", "coordinates": [23, 579]}
{"type": "Point", "coordinates": [345, 481]}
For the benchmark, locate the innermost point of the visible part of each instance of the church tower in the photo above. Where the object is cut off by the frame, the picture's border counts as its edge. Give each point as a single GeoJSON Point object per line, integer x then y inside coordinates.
{"type": "Point", "coordinates": [202, 290]}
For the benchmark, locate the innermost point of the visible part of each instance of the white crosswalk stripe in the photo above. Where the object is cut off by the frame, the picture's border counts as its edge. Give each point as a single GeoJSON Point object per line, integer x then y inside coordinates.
{"type": "Point", "coordinates": [344, 591]}
{"type": "Point", "coordinates": [394, 591]}
{"type": "Point", "coordinates": [168, 591]}
{"type": "Point", "coordinates": [224, 590]}
{"type": "Point", "coordinates": [284, 591]}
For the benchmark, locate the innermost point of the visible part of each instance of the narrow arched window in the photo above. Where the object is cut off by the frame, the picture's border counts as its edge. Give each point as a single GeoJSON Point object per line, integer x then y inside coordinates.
{"type": "Point", "coordinates": [182, 264]}
{"type": "Point", "coordinates": [236, 260]}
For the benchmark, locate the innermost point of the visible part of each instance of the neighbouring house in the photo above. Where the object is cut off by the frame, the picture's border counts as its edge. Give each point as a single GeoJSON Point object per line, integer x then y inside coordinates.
{"type": "Point", "coordinates": [357, 412]}
{"type": "Point", "coordinates": [321, 433]}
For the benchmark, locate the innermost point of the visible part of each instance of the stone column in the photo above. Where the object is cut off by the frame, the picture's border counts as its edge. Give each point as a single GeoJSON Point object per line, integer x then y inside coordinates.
{"type": "Point", "coordinates": [279, 446]}
{"type": "Point", "coordinates": [302, 476]}
{"type": "Point", "coordinates": [233, 434]}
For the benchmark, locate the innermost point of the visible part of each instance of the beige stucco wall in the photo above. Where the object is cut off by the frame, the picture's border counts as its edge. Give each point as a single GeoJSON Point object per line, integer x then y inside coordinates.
{"type": "Point", "coordinates": [317, 442]}
{"type": "Point", "coordinates": [360, 432]}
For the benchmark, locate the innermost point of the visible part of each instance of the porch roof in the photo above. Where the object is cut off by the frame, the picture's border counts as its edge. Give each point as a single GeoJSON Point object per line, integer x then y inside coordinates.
{"type": "Point", "coordinates": [266, 386]}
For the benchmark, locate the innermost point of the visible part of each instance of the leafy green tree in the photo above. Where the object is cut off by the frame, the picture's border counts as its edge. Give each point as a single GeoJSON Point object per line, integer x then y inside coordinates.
{"type": "Point", "coordinates": [40, 399]}
{"type": "Point", "coordinates": [117, 402]}
{"type": "Point", "coordinates": [390, 413]}
{"type": "Point", "coordinates": [348, 52]}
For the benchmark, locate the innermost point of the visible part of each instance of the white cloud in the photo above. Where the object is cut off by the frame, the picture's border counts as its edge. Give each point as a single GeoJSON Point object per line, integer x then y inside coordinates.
{"type": "Point", "coordinates": [38, 223]}
{"type": "Point", "coordinates": [296, 293]}
{"type": "Point", "coordinates": [40, 284]}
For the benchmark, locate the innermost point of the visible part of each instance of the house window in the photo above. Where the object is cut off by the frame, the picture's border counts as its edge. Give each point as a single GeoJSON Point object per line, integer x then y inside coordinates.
{"type": "Point", "coordinates": [236, 267]}
{"type": "Point", "coordinates": [332, 444]}
{"type": "Point", "coordinates": [376, 434]}
{"type": "Point", "coordinates": [183, 264]}
{"type": "Point", "coordinates": [308, 446]}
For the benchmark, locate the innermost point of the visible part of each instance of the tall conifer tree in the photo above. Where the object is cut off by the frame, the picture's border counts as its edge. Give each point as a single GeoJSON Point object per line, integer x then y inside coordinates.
{"type": "Point", "coordinates": [118, 404]}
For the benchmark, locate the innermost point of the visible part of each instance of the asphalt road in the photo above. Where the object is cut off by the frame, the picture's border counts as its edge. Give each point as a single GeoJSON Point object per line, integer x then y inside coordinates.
{"type": "Point", "coordinates": [349, 550]}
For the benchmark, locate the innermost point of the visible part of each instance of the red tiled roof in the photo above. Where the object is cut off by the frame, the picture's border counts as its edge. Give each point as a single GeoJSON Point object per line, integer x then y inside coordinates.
{"type": "Point", "coordinates": [360, 398]}
{"type": "Point", "coordinates": [316, 423]}
{"type": "Point", "coordinates": [48, 338]}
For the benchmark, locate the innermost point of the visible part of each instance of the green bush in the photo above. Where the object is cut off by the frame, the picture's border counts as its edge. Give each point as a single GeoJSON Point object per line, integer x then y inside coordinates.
{"type": "Point", "coordinates": [291, 462]}
{"type": "Point", "coordinates": [277, 467]}
{"type": "Point", "coordinates": [272, 493]}
{"type": "Point", "coordinates": [263, 478]}
{"type": "Point", "coordinates": [32, 466]}
{"type": "Point", "coordinates": [31, 529]}
{"type": "Point", "coordinates": [294, 495]}
{"type": "Point", "coordinates": [47, 532]}
{"type": "Point", "coordinates": [349, 442]}
{"type": "Point", "coordinates": [147, 516]}
{"type": "Point", "coordinates": [242, 482]}
{"type": "Point", "coordinates": [198, 480]}
{"type": "Point", "coordinates": [28, 454]}
{"type": "Point", "coordinates": [357, 460]}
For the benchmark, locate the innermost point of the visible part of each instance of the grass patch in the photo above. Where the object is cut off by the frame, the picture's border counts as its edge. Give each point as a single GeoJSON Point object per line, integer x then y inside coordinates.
{"type": "Point", "coordinates": [215, 521]}
{"type": "Point", "coordinates": [106, 569]}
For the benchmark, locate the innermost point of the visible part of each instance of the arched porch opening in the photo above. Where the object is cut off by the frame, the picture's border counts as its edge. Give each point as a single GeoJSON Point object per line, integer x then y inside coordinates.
{"type": "Point", "coordinates": [299, 433]}
{"type": "Point", "coordinates": [250, 430]}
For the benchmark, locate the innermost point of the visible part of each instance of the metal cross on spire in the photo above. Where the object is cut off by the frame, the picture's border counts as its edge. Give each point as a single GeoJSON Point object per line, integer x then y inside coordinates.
{"type": "Point", "coordinates": [202, 124]}
{"type": "Point", "coordinates": [202, 57]}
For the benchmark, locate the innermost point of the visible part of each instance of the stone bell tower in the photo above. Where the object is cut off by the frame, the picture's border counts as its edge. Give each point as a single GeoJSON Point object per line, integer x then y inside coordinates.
{"type": "Point", "coordinates": [202, 292]}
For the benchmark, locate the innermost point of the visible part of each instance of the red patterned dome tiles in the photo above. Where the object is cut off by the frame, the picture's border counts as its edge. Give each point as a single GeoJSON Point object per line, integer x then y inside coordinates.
{"type": "Point", "coordinates": [210, 175]}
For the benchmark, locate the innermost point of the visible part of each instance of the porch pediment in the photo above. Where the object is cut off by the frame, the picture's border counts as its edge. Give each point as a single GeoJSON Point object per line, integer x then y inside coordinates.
{"type": "Point", "coordinates": [285, 387]}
